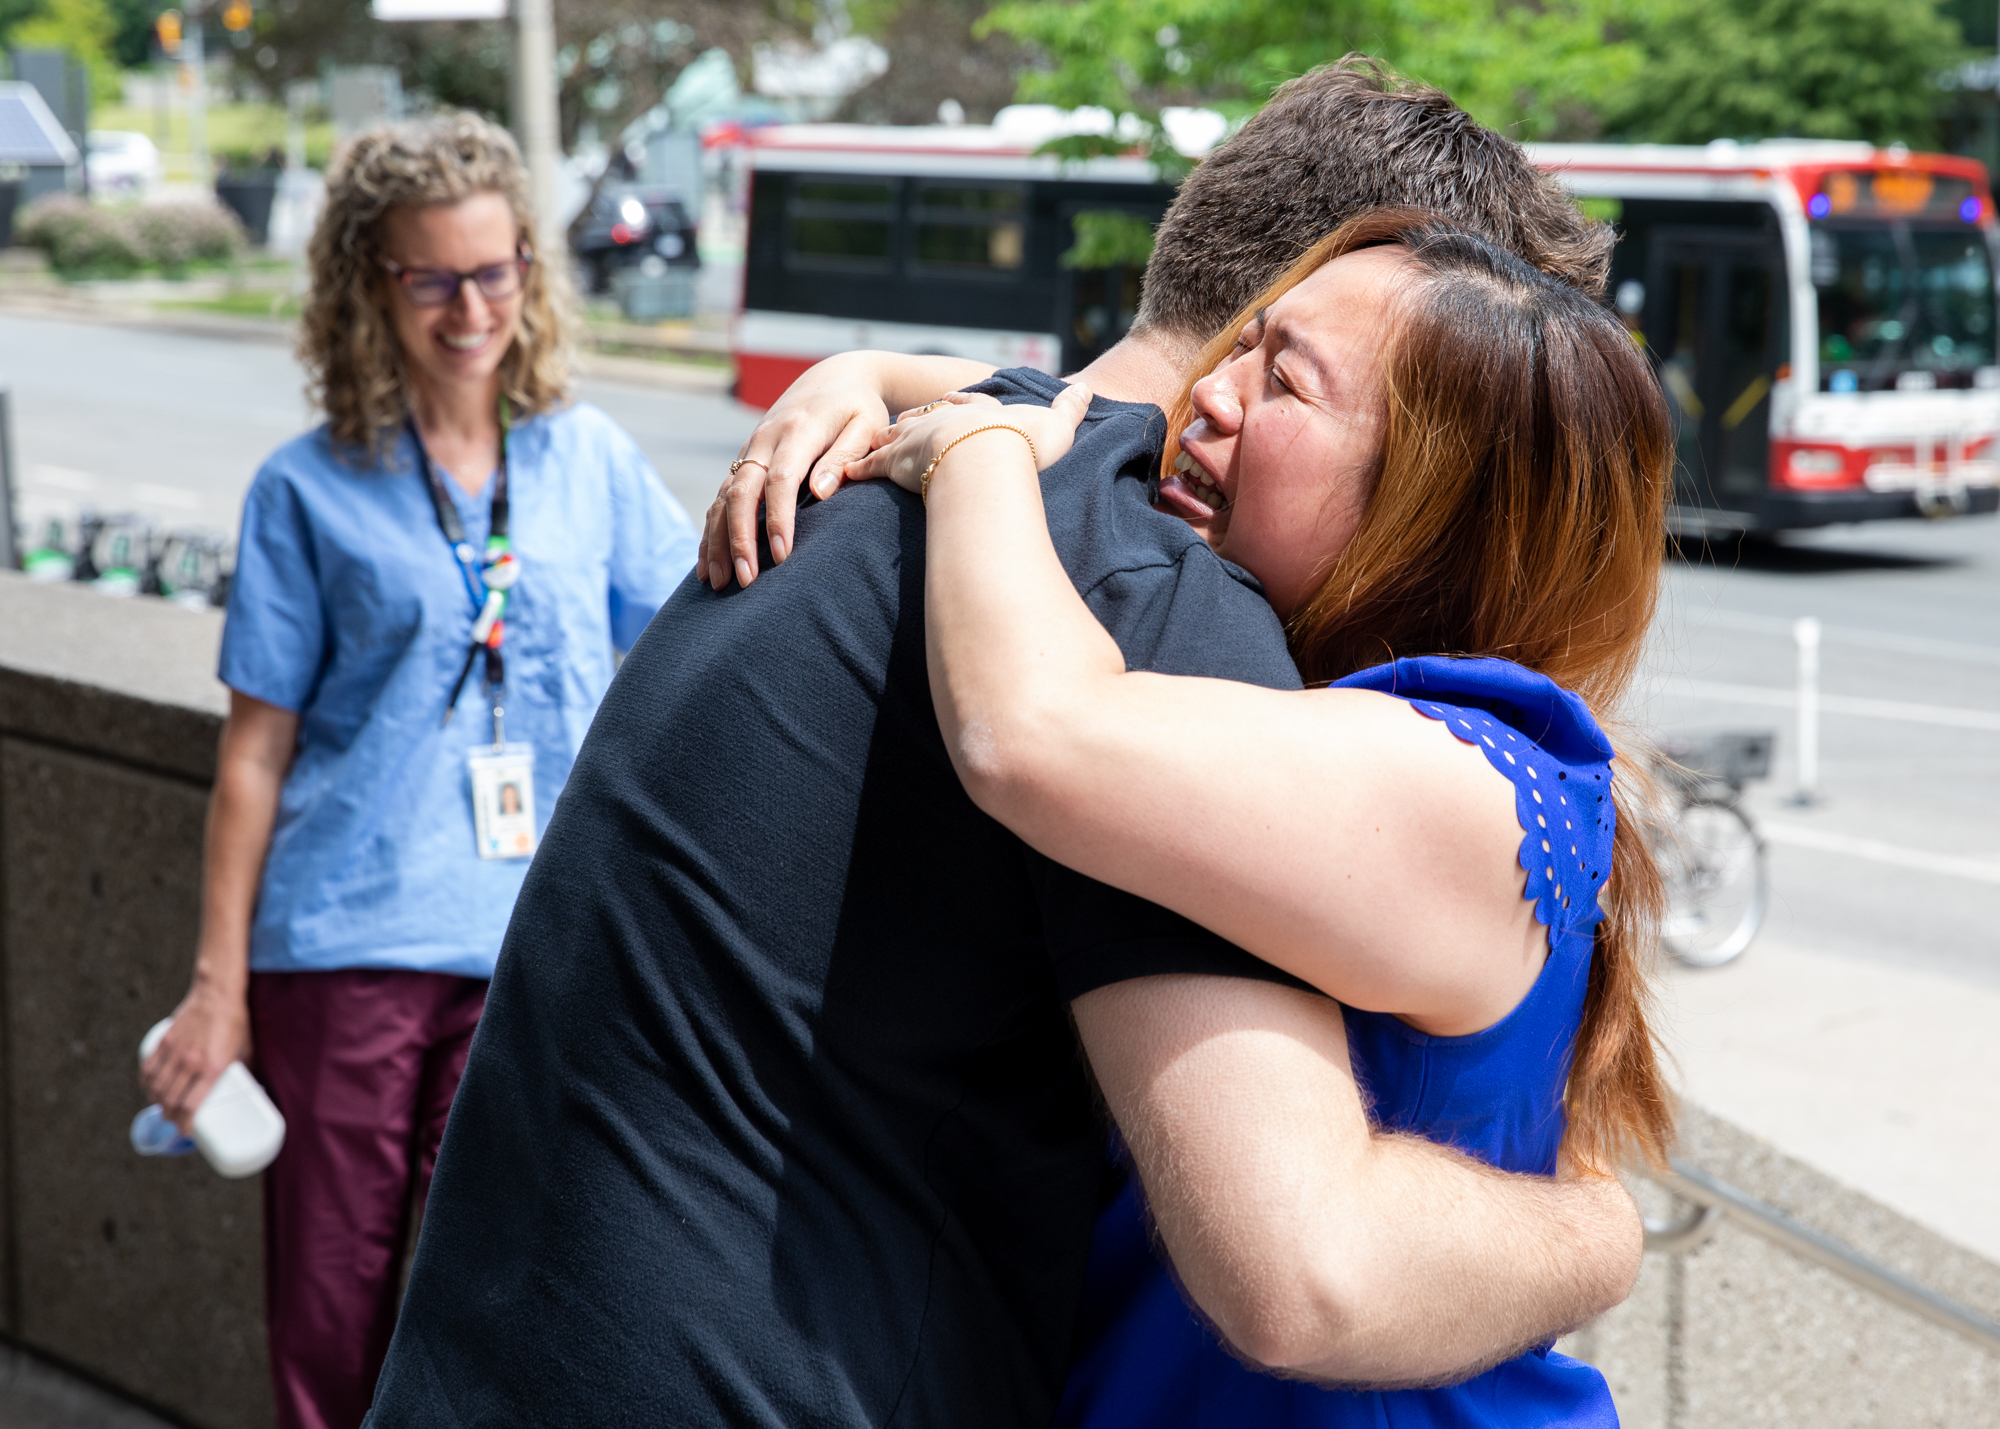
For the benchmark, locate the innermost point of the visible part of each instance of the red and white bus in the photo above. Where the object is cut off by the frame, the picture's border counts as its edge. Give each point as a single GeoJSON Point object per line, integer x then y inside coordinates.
{"type": "Point", "coordinates": [1822, 315]}
{"type": "Point", "coordinates": [943, 239]}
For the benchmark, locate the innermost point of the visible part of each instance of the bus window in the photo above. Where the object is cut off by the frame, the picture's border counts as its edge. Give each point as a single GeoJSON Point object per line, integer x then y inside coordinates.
{"type": "Point", "coordinates": [970, 228]}
{"type": "Point", "coordinates": [1682, 369]}
{"type": "Point", "coordinates": [1753, 316]}
{"type": "Point", "coordinates": [842, 223]}
{"type": "Point", "coordinates": [1721, 341]}
{"type": "Point", "coordinates": [1902, 306]}
{"type": "Point", "coordinates": [1103, 303]}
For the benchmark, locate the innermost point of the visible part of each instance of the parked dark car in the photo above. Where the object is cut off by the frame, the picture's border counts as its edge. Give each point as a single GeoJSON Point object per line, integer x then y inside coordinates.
{"type": "Point", "coordinates": [626, 224]}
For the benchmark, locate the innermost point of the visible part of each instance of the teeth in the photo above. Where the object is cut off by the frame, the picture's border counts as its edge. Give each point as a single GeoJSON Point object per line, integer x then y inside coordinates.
{"type": "Point", "coordinates": [465, 343]}
{"type": "Point", "coordinates": [1183, 463]}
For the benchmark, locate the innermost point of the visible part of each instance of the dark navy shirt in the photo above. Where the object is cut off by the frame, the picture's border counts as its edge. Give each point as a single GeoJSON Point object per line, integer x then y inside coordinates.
{"type": "Point", "coordinates": [775, 1116]}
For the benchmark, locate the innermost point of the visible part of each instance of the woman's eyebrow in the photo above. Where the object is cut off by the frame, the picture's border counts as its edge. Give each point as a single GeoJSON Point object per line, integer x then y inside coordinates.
{"type": "Point", "coordinates": [1290, 339]}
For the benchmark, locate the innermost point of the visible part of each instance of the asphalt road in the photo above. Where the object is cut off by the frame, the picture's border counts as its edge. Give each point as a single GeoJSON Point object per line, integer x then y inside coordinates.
{"type": "Point", "coordinates": [1898, 860]}
{"type": "Point", "coordinates": [172, 428]}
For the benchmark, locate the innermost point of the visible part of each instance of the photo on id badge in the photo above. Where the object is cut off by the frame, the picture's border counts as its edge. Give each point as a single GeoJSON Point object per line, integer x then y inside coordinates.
{"type": "Point", "coordinates": [503, 800]}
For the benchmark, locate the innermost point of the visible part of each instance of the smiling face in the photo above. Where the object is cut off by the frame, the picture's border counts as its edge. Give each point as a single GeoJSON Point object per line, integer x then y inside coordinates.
{"type": "Point", "coordinates": [1287, 431]}
{"type": "Point", "coordinates": [462, 342]}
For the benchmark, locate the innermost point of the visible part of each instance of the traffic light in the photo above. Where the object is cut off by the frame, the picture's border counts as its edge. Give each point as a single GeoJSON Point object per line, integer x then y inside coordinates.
{"type": "Point", "coordinates": [237, 17]}
{"type": "Point", "coordinates": [168, 28]}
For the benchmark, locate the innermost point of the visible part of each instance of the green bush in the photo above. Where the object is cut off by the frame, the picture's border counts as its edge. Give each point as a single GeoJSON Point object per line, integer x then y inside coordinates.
{"type": "Point", "coordinates": [78, 236]}
{"type": "Point", "coordinates": [83, 238]}
{"type": "Point", "coordinates": [178, 232]}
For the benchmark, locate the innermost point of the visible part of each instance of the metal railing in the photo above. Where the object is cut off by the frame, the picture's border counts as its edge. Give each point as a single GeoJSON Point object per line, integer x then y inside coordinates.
{"type": "Point", "coordinates": [1715, 1201]}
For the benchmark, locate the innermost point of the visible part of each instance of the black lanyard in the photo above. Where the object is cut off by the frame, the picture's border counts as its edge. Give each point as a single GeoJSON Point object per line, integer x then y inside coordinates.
{"type": "Point", "coordinates": [472, 568]}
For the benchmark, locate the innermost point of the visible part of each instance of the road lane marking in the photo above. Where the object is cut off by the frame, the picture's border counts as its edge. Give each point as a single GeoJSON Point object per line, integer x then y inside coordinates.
{"type": "Point", "coordinates": [1876, 851]}
{"type": "Point", "coordinates": [1951, 715]}
{"type": "Point", "coordinates": [63, 478]}
{"type": "Point", "coordinates": [1847, 635]}
{"type": "Point", "coordinates": [178, 496]}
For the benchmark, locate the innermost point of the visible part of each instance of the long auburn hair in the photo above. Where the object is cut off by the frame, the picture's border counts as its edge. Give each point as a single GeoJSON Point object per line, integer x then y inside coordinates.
{"type": "Point", "coordinates": [1518, 510]}
{"type": "Point", "coordinates": [347, 341]}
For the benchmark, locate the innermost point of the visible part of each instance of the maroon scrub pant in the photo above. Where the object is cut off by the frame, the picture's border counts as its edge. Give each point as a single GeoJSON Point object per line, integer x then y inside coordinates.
{"type": "Point", "coordinates": [363, 1064]}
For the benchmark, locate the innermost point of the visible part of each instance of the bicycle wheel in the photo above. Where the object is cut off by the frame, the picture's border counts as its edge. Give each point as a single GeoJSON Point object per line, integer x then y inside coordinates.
{"type": "Point", "coordinates": [1713, 865]}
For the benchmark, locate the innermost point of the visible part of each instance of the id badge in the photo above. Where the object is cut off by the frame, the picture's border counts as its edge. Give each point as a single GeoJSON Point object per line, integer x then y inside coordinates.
{"type": "Point", "coordinates": [503, 799]}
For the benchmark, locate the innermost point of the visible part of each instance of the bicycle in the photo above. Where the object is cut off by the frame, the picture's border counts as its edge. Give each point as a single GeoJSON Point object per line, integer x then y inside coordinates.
{"type": "Point", "coordinates": [1710, 854]}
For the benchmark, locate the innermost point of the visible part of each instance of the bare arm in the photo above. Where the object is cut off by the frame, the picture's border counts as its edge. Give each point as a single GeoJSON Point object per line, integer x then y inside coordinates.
{"type": "Point", "coordinates": [1316, 1247]}
{"type": "Point", "coordinates": [1284, 821]}
{"type": "Point", "coordinates": [824, 419]}
{"type": "Point", "coordinates": [212, 1024]}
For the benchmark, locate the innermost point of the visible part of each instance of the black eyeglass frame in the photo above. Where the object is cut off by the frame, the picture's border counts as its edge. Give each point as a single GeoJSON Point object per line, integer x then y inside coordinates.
{"type": "Point", "coordinates": [523, 260]}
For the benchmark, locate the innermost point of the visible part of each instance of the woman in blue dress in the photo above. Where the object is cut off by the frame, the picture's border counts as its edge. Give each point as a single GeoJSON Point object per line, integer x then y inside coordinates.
{"type": "Point", "coordinates": [1429, 454]}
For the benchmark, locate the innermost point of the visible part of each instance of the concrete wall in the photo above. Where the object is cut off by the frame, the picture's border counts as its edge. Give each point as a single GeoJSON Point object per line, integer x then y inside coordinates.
{"type": "Point", "coordinates": [143, 1274]}
{"type": "Point", "coordinates": [146, 1275]}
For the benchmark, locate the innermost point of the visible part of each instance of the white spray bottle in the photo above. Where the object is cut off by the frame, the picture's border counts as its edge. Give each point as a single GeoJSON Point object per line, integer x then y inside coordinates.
{"type": "Point", "coordinates": [236, 1128]}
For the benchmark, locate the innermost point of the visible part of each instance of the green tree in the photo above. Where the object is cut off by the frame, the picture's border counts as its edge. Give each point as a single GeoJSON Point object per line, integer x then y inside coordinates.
{"type": "Point", "coordinates": [934, 56]}
{"type": "Point", "coordinates": [1533, 71]}
{"type": "Point", "coordinates": [1817, 69]}
{"type": "Point", "coordinates": [86, 28]}
{"type": "Point", "coordinates": [1670, 70]}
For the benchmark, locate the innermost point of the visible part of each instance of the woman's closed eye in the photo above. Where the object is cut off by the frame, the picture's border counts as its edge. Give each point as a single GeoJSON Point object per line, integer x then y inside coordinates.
{"type": "Point", "coordinates": [1251, 336]}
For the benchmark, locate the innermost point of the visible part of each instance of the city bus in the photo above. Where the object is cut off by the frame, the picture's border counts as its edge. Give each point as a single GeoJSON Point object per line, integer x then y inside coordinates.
{"type": "Point", "coordinates": [941, 239]}
{"type": "Point", "coordinates": [1821, 314]}
{"type": "Point", "coordinates": [1822, 318]}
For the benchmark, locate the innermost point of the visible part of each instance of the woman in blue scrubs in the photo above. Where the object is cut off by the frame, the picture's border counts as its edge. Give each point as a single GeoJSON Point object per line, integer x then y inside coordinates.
{"type": "Point", "coordinates": [428, 592]}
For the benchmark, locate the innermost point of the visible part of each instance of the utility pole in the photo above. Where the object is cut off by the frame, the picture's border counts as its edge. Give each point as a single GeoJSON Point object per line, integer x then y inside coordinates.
{"type": "Point", "coordinates": [535, 121]}
{"type": "Point", "coordinates": [194, 76]}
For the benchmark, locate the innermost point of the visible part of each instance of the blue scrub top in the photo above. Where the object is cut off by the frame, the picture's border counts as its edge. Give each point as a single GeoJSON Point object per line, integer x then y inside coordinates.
{"type": "Point", "coordinates": [348, 609]}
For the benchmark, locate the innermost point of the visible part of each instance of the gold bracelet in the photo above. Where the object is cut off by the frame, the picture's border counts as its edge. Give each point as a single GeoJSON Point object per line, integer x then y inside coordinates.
{"type": "Point", "coordinates": [924, 483]}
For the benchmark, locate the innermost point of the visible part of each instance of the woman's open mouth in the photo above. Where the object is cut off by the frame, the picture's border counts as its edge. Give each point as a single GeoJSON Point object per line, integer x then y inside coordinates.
{"type": "Point", "coordinates": [465, 341]}
{"type": "Point", "coordinates": [1189, 492]}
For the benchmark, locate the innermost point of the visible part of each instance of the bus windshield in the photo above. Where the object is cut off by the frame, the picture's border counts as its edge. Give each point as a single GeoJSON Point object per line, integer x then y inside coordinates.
{"type": "Point", "coordinates": [1903, 306]}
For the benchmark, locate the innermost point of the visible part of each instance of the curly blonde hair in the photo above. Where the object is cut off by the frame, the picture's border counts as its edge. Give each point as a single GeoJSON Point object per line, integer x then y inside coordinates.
{"type": "Point", "coordinates": [347, 341]}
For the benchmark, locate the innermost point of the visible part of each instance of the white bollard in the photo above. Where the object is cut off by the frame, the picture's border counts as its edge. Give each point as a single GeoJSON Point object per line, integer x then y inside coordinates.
{"type": "Point", "coordinates": [1805, 632]}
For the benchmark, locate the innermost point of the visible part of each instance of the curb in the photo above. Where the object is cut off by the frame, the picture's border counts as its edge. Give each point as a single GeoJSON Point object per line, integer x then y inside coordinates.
{"type": "Point", "coordinates": [669, 370]}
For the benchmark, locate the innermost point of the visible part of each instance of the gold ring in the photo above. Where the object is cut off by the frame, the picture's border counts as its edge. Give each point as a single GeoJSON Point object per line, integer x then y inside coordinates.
{"type": "Point", "coordinates": [744, 461]}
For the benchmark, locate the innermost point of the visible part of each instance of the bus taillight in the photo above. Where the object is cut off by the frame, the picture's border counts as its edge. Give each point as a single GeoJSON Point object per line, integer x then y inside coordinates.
{"type": "Point", "coordinates": [1798, 467]}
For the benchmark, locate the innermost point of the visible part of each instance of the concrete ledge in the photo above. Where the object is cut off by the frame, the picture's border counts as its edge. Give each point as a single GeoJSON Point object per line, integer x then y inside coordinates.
{"type": "Point", "coordinates": [132, 681]}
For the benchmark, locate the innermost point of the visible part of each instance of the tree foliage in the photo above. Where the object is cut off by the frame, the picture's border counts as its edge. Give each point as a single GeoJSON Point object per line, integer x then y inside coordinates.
{"type": "Point", "coordinates": [1817, 69]}
{"type": "Point", "coordinates": [85, 28]}
{"type": "Point", "coordinates": [934, 56]}
{"type": "Point", "coordinates": [615, 58]}
{"type": "Point", "coordinates": [1683, 71]}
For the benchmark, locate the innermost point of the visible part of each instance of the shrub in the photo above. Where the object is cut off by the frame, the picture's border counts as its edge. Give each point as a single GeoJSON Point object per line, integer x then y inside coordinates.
{"type": "Point", "coordinates": [176, 232]}
{"type": "Point", "coordinates": [78, 236]}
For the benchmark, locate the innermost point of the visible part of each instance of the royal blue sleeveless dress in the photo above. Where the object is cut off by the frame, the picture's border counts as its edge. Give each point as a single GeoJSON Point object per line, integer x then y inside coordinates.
{"type": "Point", "coordinates": [1144, 1361]}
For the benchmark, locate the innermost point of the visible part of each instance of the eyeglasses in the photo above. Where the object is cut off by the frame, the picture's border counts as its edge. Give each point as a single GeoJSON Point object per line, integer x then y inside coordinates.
{"type": "Point", "coordinates": [436, 287]}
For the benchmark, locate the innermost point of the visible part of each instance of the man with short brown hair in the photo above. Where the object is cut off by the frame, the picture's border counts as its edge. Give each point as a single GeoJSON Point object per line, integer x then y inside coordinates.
{"type": "Point", "coordinates": [1334, 142]}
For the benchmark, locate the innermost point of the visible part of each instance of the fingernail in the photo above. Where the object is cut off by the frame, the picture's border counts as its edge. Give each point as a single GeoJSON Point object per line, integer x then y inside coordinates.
{"type": "Point", "coordinates": [743, 572]}
{"type": "Point", "coordinates": [777, 548]}
{"type": "Point", "coordinates": [823, 484]}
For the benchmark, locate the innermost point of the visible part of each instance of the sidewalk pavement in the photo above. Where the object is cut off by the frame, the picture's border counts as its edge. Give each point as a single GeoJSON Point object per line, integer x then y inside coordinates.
{"type": "Point", "coordinates": [1886, 1079]}
{"type": "Point", "coordinates": [37, 1395]}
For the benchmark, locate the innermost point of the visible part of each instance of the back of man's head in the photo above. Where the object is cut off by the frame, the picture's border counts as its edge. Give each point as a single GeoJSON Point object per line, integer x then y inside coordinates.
{"type": "Point", "coordinates": [1335, 142]}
